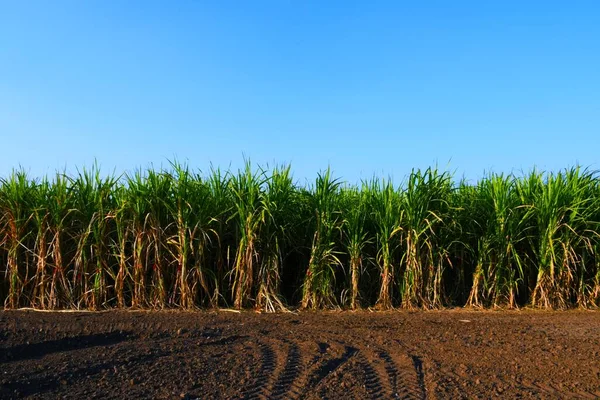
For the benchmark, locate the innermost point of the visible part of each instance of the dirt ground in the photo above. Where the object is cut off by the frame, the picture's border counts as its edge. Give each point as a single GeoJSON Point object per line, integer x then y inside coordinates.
{"type": "Point", "coordinates": [409, 355]}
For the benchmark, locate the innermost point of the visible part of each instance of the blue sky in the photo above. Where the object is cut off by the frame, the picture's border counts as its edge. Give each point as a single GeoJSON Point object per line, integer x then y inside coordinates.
{"type": "Point", "coordinates": [369, 87]}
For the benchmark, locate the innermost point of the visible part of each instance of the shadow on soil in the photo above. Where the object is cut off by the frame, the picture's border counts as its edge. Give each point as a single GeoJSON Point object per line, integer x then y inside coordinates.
{"type": "Point", "coordinates": [38, 385]}
{"type": "Point", "coordinates": [332, 365]}
{"type": "Point", "coordinates": [418, 364]}
{"type": "Point", "coordinates": [39, 350]}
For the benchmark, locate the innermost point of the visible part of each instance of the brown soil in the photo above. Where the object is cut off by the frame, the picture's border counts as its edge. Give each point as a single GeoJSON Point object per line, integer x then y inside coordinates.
{"type": "Point", "coordinates": [411, 355]}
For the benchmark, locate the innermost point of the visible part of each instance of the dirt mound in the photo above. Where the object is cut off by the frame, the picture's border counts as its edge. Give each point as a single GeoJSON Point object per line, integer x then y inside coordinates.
{"type": "Point", "coordinates": [446, 354]}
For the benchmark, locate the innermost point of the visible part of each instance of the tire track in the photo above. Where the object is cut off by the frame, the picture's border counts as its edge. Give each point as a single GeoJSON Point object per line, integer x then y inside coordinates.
{"type": "Point", "coordinates": [291, 374]}
{"type": "Point", "coordinates": [321, 373]}
{"type": "Point", "coordinates": [258, 390]}
{"type": "Point", "coordinates": [391, 371]}
{"type": "Point", "coordinates": [411, 378]}
{"type": "Point", "coordinates": [418, 365]}
{"type": "Point", "coordinates": [388, 373]}
{"type": "Point", "coordinates": [396, 369]}
{"type": "Point", "coordinates": [411, 373]}
{"type": "Point", "coordinates": [396, 374]}
{"type": "Point", "coordinates": [300, 386]}
{"type": "Point", "coordinates": [373, 383]}
{"type": "Point", "coordinates": [284, 385]}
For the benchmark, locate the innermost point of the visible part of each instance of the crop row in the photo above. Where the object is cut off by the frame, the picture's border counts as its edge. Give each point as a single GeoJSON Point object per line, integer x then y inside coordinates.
{"type": "Point", "coordinates": [254, 238]}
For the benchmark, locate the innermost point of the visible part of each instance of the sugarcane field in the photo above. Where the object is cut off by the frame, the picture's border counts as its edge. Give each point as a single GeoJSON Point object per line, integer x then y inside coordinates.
{"type": "Point", "coordinates": [299, 199]}
{"type": "Point", "coordinates": [172, 283]}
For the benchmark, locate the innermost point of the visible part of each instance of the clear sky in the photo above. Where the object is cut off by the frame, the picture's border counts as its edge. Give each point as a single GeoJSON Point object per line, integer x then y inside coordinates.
{"type": "Point", "coordinates": [366, 87]}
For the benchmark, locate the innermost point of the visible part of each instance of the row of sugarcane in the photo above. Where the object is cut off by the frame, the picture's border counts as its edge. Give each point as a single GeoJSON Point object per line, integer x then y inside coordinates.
{"type": "Point", "coordinates": [254, 238]}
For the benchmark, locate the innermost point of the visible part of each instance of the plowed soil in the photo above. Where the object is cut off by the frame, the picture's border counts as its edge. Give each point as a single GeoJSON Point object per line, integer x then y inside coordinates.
{"type": "Point", "coordinates": [408, 355]}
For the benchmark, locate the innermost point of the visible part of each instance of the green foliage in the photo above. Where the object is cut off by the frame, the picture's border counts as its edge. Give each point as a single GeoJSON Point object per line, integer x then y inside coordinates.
{"type": "Point", "coordinates": [324, 200]}
{"type": "Point", "coordinates": [177, 238]}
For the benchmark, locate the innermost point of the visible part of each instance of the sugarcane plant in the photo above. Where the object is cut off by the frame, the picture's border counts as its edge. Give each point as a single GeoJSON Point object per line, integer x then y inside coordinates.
{"type": "Point", "coordinates": [563, 210]}
{"type": "Point", "coordinates": [219, 184]}
{"type": "Point", "coordinates": [40, 249]}
{"type": "Point", "coordinates": [17, 194]}
{"type": "Point", "coordinates": [92, 202]}
{"type": "Point", "coordinates": [246, 188]}
{"type": "Point", "coordinates": [318, 287]}
{"type": "Point", "coordinates": [278, 206]}
{"type": "Point", "coordinates": [190, 210]}
{"type": "Point", "coordinates": [356, 237]}
{"type": "Point", "coordinates": [503, 219]}
{"type": "Point", "coordinates": [424, 210]}
{"type": "Point", "coordinates": [384, 203]}
{"type": "Point", "coordinates": [177, 238]}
